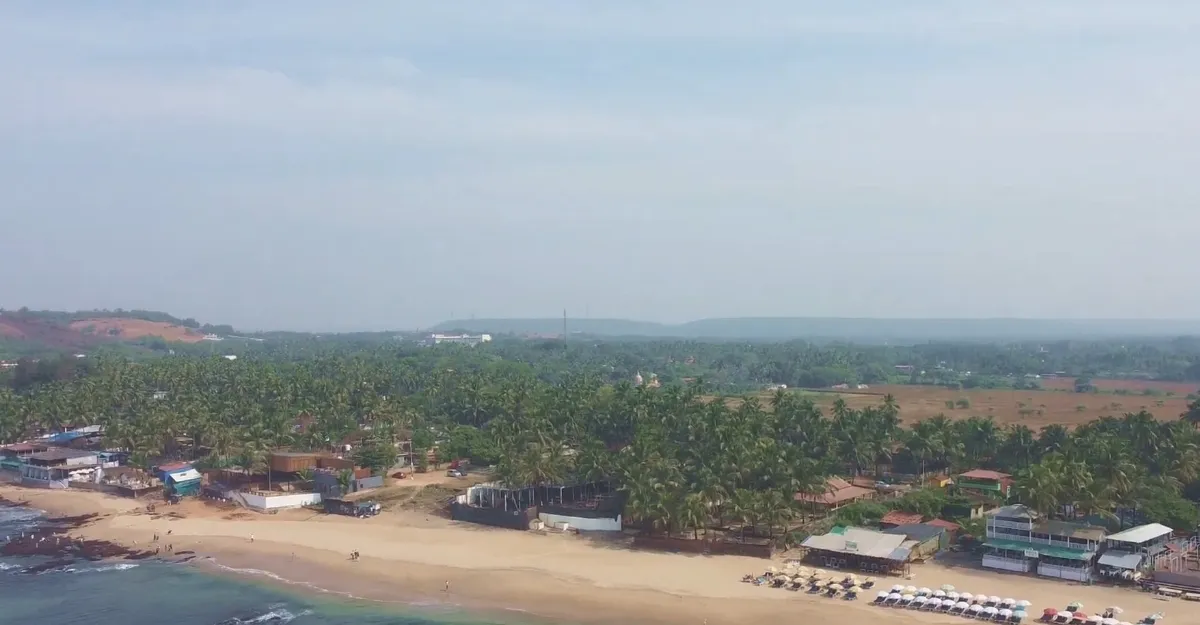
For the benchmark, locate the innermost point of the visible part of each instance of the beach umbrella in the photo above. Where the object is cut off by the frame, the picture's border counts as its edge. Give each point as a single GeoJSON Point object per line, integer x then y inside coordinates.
{"type": "Point", "coordinates": [966, 596]}
{"type": "Point", "coordinates": [991, 610]}
{"type": "Point", "coordinates": [1075, 606]}
{"type": "Point", "coordinates": [881, 594]}
{"type": "Point", "coordinates": [851, 577]}
{"type": "Point", "coordinates": [836, 587]}
{"type": "Point", "coordinates": [962, 605]}
{"type": "Point", "coordinates": [947, 587]}
{"type": "Point", "coordinates": [924, 591]}
{"type": "Point", "coordinates": [907, 598]}
{"type": "Point", "coordinates": [976, 608]}
{"type": "Point", "coordinates": [897, 588]}
{"type": "Point", "coordinates": [1006, 613]}
{"type": "Point", "coordinates": [1024, 603]}
{"type": "Point", "coordinates": [894, 596]}
{"type": "Point", "coordinates": [1049, 612]}
{"type": "Point", "coordinates": [772, 570]}
{"type": "Point", "coordinates": [953, 595]}
{"type": "Point", "coordinates": [1066, 614]}
{"type": "Point", "coordinates": [939, 593]}
{"type": "Point", "coordinates": [1115, 610]}
{"type": "Point", "coordinates": [1019, 614]}
{"type": "Point", "coordinates": [912, 590]}
{"type": "Point", "coordinates": [1095, 618]}
{"type": "Point", "coordinates": [855, 588]}
{"type": "Point", "coordinates": [993, 599]}
{"type": "Point", "coordinates": [1008, 601]}
{"type": "Point", "coordinates": [1111, 621]}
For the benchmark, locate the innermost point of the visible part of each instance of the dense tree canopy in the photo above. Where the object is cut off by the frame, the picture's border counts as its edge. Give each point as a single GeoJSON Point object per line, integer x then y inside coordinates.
{"type": "Point", "coordinates": [686, 459]}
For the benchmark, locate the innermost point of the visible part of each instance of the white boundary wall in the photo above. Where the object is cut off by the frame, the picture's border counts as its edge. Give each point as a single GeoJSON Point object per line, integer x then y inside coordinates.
{"type": "Point", "coordinates": [1007, 564]}
{"type": "Point", "coordinates": [276, 502]}
{"type": "Point", "coordinates": [580, 523]}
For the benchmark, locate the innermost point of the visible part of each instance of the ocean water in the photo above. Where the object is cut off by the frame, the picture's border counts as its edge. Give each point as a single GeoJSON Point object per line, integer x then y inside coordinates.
{"type": "Point", "coordinates": [153, 593]}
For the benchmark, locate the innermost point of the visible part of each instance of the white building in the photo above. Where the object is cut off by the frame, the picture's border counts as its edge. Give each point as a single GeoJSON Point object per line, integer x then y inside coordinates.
{"type": "Point", "coordinates": [1019, 540]}
{"type": "Point", "coordinates": [460, 339]}
{"type": "Point", "coordinates": [1135, 550]}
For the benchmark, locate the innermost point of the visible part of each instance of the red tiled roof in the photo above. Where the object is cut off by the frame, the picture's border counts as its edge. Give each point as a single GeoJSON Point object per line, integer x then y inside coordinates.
{"type": "Point", "coordinates": [984, 474]}
{"type": "Point", "coordinates": [174, 466]}
{"type": "Point", "coordinates": [837, 490]}
{"type": "Point", "coordinates": [944, 523]}
{"type": "Point", "coordinates": [22, 447]}
{"type": "Point", "coordinates": [899, 517]}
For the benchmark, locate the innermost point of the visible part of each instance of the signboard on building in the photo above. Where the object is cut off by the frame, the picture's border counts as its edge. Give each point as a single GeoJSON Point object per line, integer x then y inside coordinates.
{"type": "Point", "coordinates": [851, 545]}
{"type": "Point", "coordinates": [1031, 553]}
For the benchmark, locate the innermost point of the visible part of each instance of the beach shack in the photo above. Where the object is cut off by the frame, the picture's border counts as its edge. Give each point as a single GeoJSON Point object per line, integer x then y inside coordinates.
{"type": "Point", "coordinates": [985, 482]}
{"type": "Point", "coordinates": [837, 493]}
{"type": "Point", "coordinates": [859, 548]}
{"type": "Point", "coordinates": [952, 529]}
{"type": "Point", "coordinates": [927, 539]}
{"type": "Point", "coordinates": [1019, 540]}
{"type": "Point", "coordinates": [57, 467]}
{"type": "Point", "coordinates": [14, 455]}
{"type": "Point", "coordinates": [179, 478]}
{"type": "Point", "coordinates": [1132, 551]}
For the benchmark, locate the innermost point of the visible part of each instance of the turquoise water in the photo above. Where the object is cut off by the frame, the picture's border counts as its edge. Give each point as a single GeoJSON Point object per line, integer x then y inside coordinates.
{"type": "Point", "coordinates": [155, 593]}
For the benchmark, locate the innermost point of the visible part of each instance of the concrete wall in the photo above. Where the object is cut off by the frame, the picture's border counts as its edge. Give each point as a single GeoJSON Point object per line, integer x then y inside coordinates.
{"type": "Point", "coordinates": [1062, 572]}
{"type": "Point", "coordinates": [1007, 564]}
{"type": "Point", "coordinates": [582, 524]}
{"type": "Point", "coordinates": [276, 502]}
{"type": "Point", "coordinates": [83, 460]}
{"type": "Point", "coordinates": [375, 481]}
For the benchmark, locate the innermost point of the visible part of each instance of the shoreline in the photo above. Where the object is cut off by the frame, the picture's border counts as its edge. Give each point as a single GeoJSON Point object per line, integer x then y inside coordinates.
{"type": "Point", "coordinates": [512, 576]}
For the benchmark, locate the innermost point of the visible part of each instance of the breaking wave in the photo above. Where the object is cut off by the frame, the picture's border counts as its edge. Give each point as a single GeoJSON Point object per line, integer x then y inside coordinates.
{"type": "Point", "coordinates": [276, 615]}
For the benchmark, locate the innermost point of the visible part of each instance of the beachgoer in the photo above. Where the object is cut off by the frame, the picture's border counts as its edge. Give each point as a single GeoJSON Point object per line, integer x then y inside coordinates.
{"type": "Point", "coordinates": [169, 532]}
{"type": "Point", "coordinates": [447, 586]}
{"type": "Point", "coordinates": [252, 538]}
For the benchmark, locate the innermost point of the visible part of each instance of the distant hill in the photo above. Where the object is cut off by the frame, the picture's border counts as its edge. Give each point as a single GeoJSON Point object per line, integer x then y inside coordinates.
{"type": "Point", "coordinates": [845, 329]}
{"type": "Point", "coordinates": [30, 332]}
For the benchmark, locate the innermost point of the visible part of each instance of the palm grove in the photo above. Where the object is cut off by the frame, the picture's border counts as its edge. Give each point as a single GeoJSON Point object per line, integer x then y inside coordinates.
{"type": "Point", "coordinates": [687, 461]}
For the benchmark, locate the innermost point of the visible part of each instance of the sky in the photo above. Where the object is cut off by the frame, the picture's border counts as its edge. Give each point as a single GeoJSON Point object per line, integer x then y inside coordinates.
{"type": "Point", "coordinates": [389, 164]}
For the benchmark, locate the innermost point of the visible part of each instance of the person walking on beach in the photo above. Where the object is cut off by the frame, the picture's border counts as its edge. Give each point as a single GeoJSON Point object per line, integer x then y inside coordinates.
{"type": "Point", "coordinates": [447, 590]}
{"type": "Point", "coordinates": [252, 538]}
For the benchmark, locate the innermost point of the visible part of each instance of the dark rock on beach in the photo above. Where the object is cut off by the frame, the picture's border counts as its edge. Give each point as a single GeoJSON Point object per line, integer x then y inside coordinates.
{"type": "Point", "coordinates": [50, 540]}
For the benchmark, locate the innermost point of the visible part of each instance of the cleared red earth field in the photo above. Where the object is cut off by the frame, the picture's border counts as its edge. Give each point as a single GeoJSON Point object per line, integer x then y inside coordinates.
{"type": "Point", "coordinates": [1034, 409]}
{"type": "Point", "coordinates": [131, 329]}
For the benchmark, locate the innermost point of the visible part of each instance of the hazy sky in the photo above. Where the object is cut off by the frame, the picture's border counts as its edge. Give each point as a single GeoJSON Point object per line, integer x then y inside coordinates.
{"type": "Point", "coordinates": [384, 164]}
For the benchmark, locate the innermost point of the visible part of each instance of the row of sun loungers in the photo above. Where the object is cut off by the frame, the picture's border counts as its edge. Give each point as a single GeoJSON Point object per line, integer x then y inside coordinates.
{"type": "Point", "coordinates": [946, 600]}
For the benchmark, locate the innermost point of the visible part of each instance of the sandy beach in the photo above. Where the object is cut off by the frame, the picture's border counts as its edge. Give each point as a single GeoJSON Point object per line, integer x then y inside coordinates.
{"type": "Point", "coordinates": [407, 558]}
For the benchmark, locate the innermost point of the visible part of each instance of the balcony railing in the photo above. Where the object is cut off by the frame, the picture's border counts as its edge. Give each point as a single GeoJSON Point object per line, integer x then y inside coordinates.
{"type": "Point", "coordinates": [1012, 525]}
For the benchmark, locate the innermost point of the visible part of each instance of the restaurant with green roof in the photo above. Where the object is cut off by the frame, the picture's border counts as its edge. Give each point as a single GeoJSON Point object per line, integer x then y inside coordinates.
{"type": "Point", "coordinates": [1019, 540]}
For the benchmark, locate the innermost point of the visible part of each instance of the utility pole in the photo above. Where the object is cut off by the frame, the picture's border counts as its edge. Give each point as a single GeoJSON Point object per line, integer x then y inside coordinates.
{"type": "Point", "coordinates": [564, 329]}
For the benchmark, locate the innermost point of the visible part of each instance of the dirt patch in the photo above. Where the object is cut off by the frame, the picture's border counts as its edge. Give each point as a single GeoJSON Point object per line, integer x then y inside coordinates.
{"type": "Point", "coordinates": [132, 329]}
{"type": "Point", "coordinates": [43, 332]}
{"type": "Point", "coordinates": [10, 331]}
{"type": "Point", "coordinates": [1034, 409]}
